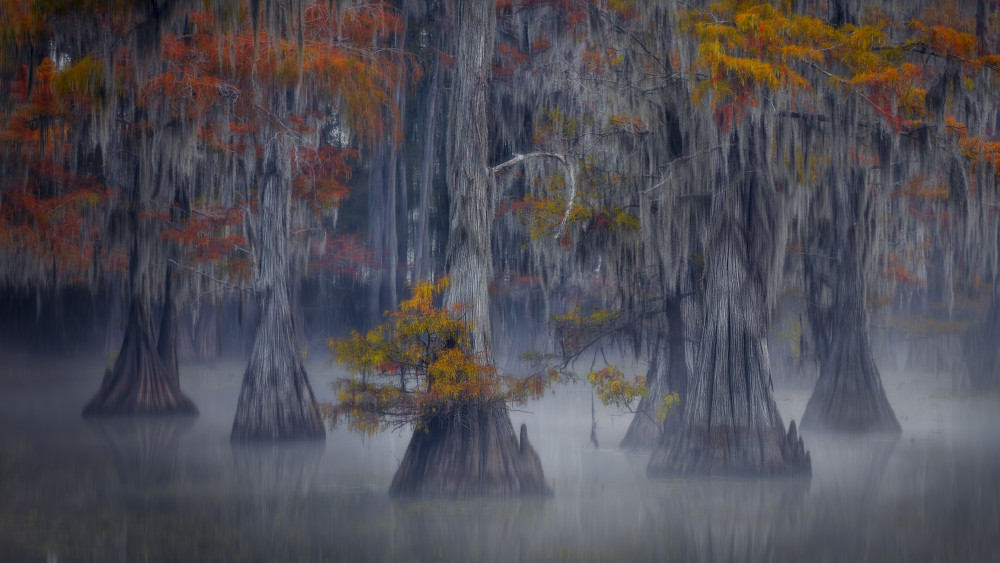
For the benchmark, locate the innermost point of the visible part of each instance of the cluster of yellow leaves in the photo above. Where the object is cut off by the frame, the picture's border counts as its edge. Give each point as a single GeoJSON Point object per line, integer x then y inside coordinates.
{"type": "Point", "coordinates": [750, 48]}
{"type": "Point", "coordinates": [628, 124]}
{"type": "Point", "coordinates": [613, 388]}
{"type": "Point", "coordinates": [416, 363]}
{"type": "Point", "coordinates": [792, 332]}
{"type": "Point", "coordinates": [983, 154]}
{"type": "Point", "coordinates": [669, 402]}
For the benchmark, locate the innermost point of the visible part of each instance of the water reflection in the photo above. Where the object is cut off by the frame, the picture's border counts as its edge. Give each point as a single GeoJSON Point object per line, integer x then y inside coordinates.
{"type": "Point", "coordinates": [470, 529]}
{"type": "Point", "coordinates": [170, 489]}
{"type": "Point", "coordinates": [143, 450]}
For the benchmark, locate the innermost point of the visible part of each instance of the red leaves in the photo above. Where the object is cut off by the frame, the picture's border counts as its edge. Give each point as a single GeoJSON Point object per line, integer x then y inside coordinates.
{"type": "Point", "coordinates": [509, 59]}
{"type": "Point", "coordinates": [206, 236]}
{"type": "Point", "coordinates": [322, 175]}
{"type": "Point", "coordinates": [345, 255]}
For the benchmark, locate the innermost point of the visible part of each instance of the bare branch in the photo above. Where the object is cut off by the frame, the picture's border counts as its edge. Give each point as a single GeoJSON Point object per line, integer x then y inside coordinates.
{"type": "Point", "coordinates": [570, 175]}
{"type": "Point", "coordinates": [223, 283]}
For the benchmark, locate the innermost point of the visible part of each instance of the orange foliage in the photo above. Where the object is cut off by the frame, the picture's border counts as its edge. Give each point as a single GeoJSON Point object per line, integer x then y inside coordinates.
{"type": "Point", "coordinates": [204, 236]}
{"type": "Point", "coordinates": [745, 47]}
{"type": "Point", "coordinates": [419, 361]}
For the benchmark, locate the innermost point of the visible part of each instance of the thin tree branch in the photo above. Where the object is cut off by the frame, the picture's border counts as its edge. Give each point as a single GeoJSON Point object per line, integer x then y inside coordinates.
{"type": "Point", "coordinates": [570, 173]}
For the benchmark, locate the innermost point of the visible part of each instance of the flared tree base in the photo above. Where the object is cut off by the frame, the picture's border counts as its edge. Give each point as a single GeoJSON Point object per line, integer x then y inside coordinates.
{"type": "Point", "coordinates": [277, 404]}
{"type": "Point", "coordinates": [643, 432]}
{"type": "Point", "coordinates": [139, 383]}
{"type": "Point", "coordinates": [469, 450]}
{"type": "Point", "coordinates": [849, 396]}
{"type": "Point", "coordinates": [767, 451]}
{"type": "Point", "coordinates": [138, 394]}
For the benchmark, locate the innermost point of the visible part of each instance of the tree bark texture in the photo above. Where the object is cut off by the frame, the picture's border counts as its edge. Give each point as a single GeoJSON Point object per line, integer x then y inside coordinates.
{"type": "Point", "coordinates": [849, 395]}
{"type": "Point", "coordinates": [166, 345]}
{"type": "Point", "coordinates": [469, 449]}
{"type": "Point", "coordinates": [668, 373]}
{"type": "Point", "coordinates": [731, 424]}
{"type": "Point", "coordinates": [382, 229]}
{"type": "Point", "coordinates": [471, 187]}
{"type": "Point", "coordinates": [276, 400]}
{"type": "Point", "coordinates": [423, 261]}
{"type": "Point", "coordinates": [982, 351]}
{"type": "Point", "coordinates": [140, 382]}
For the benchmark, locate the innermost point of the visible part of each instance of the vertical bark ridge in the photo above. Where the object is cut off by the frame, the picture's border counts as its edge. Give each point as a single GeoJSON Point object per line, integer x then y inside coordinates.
{"type": "Point", "coordinates": [849, 395]}
{"type": "Point", "coordinates": [731, 425]}
{"type": "Point", "coordinates": [276, 400]}
{"type": "Point", "coordinates": [140, 382]}
{"type": "Point", "coordinates": [469, 448]}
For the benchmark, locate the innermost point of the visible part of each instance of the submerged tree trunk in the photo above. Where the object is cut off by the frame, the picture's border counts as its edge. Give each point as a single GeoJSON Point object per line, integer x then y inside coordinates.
{"type": "Point", "coordinates": [849, 394]}
{"type": "Point", "coordinates": [470, 448]}
{"type": "Point", "coordinates": [166, 345]}
{"type": "Point", "coordinates": [982, 351]}
{"type": "Point", "coordinates": [731, 424]}
{"type": "Point", "coordinates": [140, 382]}
{"type": "Point", "coordinates": [668, 373]}
{"type": "Point", "coordinates": [276, 400]}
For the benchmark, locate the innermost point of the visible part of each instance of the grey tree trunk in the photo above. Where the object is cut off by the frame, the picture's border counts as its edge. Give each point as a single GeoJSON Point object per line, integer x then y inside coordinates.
{"type": "Point", "coordinates": [849, 394]}
{"type": "Point", "coordinates": [981, 349]}
{"type": "Point", "coordinates": [668, 373]}
{"type": "Point", "coordinates": [469, 451]}
{"type": "Point", "coordinates": [140, 382]}
{"type": "Point", "coordinates": [471, 186]}
{"type": "Point", "coordinates": [423, 262]}
{"type": "Point", "coordinates": [470, 448]}
{"type": "Point", "coordinates": [276, 401]}
{"type": "Point", "coordinates": [731, 424]}
{"type": "Point", "coordinates": [382, 230]}
{"type": "Point", "coordinates": [166, 345]}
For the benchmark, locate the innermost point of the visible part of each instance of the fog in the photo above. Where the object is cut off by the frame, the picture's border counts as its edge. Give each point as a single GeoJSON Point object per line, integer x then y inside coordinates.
{"type": "Point", "coordinates": [176, 489]}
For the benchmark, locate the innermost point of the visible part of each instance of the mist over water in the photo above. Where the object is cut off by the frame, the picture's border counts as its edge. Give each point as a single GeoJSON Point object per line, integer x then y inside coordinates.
{"type": "Point", "coordinates": [175, 489]}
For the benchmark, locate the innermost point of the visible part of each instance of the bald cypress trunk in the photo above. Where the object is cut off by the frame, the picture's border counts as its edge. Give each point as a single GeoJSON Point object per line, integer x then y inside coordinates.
{"type": "Point", "coordinates": [140, 382]}
{"type": "Point", "coordinates": [849, 394]}
{"type": "Point", "coordinates": [166, 344]}
{"type": "Point", "coordinates": [423, 261]}
{"type": "Point", "coordinates": [469, 448]}
{"type": "Point", "coordinates": [731, 424]}
{"type": "Point", "coordinates": [276, 400]}
{"type": "Point", "coordinates": [668, 373]}
{"type": "Point", "coordinates": [981, 349]}
{"type": "Point", "coordinates": [382, 230]}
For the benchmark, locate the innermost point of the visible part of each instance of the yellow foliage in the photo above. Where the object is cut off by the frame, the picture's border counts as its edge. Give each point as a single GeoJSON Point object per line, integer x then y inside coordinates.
{"type": "Point", "coordinates": [81, 81]}
{"type": "Point", "coordinates": [613, 388]}
{"type": "Point", "coordinates": [668, 404]}
{"type": "Point", "coordinates": [414, 363]}
{"type": "Point", "coordinates": [745, 47]}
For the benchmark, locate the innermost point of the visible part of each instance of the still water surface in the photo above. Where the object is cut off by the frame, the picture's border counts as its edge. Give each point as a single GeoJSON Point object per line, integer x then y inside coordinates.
{"type": "Point", "coordinates": [163, 489]}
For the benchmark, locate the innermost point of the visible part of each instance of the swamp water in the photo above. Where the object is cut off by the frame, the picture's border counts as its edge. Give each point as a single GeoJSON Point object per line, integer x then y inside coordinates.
{"type": "Point", "coordinates": [166, 489]}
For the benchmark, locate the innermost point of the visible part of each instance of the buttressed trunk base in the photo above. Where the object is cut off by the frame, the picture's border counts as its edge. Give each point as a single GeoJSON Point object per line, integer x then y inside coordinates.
{"type": "Point", "coordinates": [140, 382]}
{"type": "Point", "coordinates": [849, 396]}
{"type": "Point", "coordinates": [731, 424]}
{"type": "Point", "coordinates": [469, 450]}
